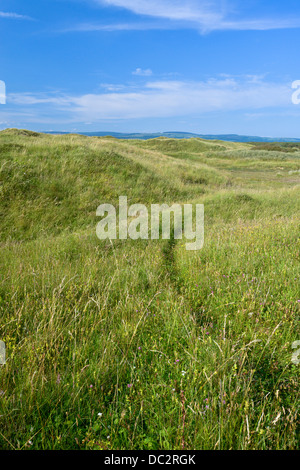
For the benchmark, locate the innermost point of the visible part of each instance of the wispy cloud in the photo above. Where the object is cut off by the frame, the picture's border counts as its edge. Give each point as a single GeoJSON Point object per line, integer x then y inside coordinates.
{"type": "Point", "coordinates": [16, 16]}
{"type": "Point", "coordinates": [112, 86]}
{"type": "Point", "coordinates": [142, 72]}
{"type": "Point", "coordinates": [38, 98]}
{"type": "Point", "coordinates": [204, 15]}
{"type": "Point", "coordinates": [258, 25]}
{"type": "Point", "coordinates": [158, 99]}
{"type": "Point", "coordinates": [190, 10]}
{"type": "Point", "coordinates": [115, 27]}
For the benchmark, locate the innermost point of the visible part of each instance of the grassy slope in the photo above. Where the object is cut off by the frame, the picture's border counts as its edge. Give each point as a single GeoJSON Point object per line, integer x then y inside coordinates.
{"type": "Point", "coordinates": [174, 349]}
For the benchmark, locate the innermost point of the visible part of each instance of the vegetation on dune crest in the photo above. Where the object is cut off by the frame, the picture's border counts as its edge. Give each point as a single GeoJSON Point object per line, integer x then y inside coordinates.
{"type": "Point", "coordinates": [142, 344]}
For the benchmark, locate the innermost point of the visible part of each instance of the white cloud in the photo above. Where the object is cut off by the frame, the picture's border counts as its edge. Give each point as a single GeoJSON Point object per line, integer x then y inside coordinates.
{"type": "Point", "coordinates": [258, 25]}
{"type": "Point", "coordinates": [142, 72]}
{"type": "Point", "coordinates": [203, 15]}
{"type": "Point", "coordinates": [90, 27]}
{"type": "Point", "coordinates": [115, 27]}
{"type": "Point", "coordinates": [190, 10]}
{"type": "Point", "coordinates": [15, 16]}
{"type": "Point", "coordinates": [158, 99]}
{"type": "Point", "coordinates": [38, 98]}
{"type": "Point", "coordinates": [112, 86]}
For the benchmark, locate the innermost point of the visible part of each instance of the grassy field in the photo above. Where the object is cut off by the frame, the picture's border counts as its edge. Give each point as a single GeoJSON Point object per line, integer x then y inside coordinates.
{"type": "Point", "coordinates": [142, 344]}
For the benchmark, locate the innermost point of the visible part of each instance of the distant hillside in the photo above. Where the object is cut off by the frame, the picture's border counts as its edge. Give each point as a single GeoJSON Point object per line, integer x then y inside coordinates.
{"type": "Point", "coordinates": [184, 135]}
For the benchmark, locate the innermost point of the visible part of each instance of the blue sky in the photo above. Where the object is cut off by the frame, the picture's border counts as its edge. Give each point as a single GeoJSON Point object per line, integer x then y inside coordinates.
{"type": "Point", "coordinates": [218, 66]}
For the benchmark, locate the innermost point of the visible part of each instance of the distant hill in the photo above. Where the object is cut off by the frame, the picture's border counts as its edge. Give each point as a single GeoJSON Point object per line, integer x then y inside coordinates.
{"type": "Point", "coordinates": [184, 135]}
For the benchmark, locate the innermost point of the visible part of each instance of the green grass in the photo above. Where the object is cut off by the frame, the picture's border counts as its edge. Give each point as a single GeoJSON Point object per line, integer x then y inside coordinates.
{"type": "Point", "coordinates": [142, 344]}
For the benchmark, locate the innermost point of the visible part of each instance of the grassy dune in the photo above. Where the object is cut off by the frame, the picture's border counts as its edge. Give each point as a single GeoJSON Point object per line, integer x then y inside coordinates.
{"type": "Point", "coordinates": [142, 344]}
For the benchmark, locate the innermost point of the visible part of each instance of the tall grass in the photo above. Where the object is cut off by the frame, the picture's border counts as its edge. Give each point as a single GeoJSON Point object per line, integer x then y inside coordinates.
{"type": "Point", "coordinates": [141, 344]}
